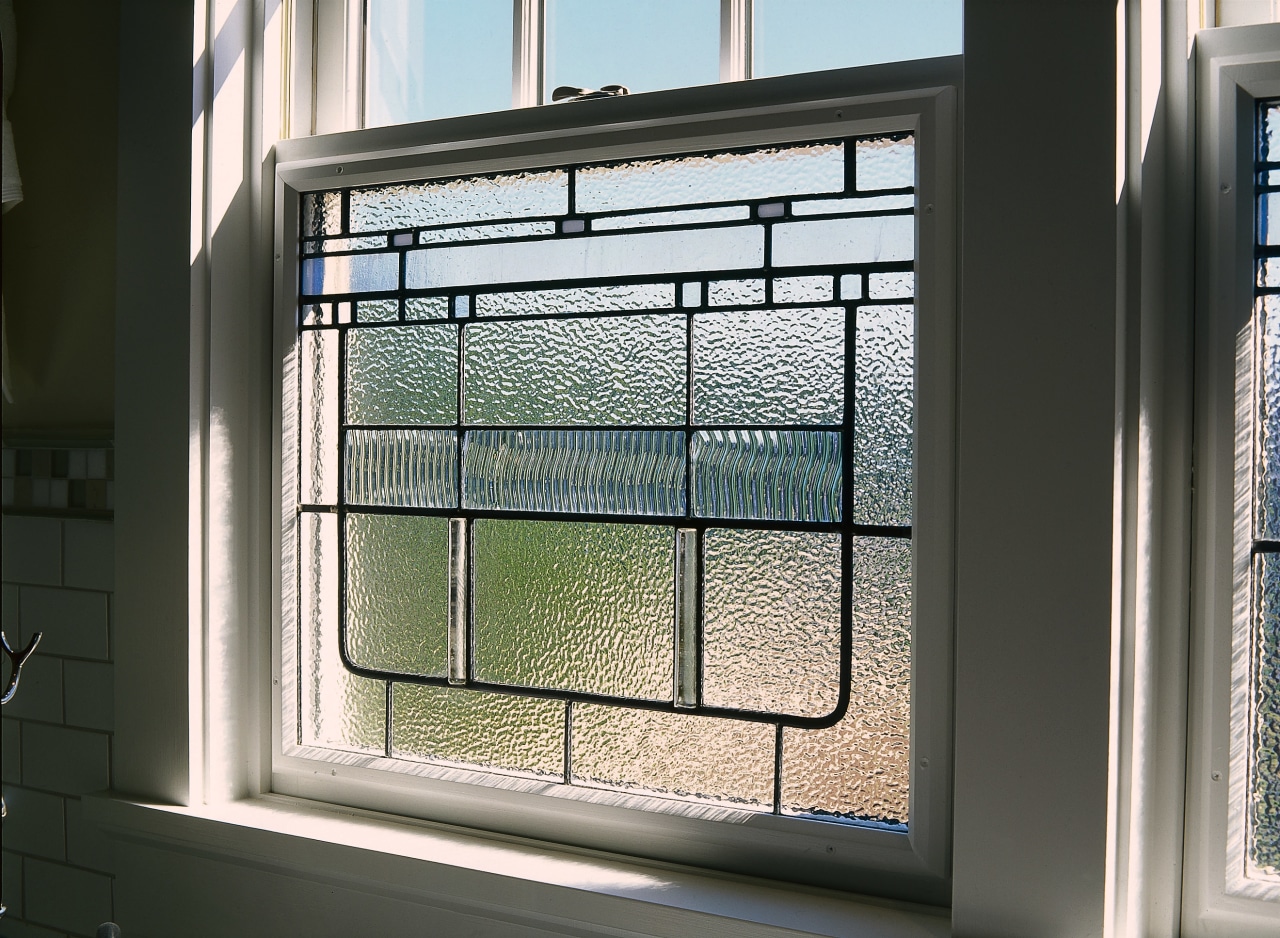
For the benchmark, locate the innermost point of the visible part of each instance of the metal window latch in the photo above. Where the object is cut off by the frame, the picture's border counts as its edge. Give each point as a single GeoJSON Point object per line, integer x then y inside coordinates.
{"type": "Point", "coordinates": [570, 93]}
{"type": "Point", "coordinates": [16, 658]}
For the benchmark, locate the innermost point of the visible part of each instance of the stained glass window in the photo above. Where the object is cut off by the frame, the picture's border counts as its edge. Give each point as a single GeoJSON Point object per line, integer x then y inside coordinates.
{"type": "Point", "coordinates": [605, 476]}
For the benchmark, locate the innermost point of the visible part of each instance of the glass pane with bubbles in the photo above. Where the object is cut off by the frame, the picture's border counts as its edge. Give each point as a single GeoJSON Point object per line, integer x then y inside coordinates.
{"type": "Point", "coordinates": [771, 629]}
{"type": "Point", "coordinates": [397, 593]}
{"type": "Point", "coordinates": [574, 606]}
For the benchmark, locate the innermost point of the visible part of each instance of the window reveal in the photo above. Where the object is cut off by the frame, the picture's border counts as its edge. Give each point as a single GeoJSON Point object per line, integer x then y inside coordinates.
{"type": "Point", "coordinates": [606, 475]}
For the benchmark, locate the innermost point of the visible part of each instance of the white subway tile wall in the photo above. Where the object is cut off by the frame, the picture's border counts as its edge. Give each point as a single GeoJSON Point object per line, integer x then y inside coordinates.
{"type": "Point", "coordinates": [58, 573]}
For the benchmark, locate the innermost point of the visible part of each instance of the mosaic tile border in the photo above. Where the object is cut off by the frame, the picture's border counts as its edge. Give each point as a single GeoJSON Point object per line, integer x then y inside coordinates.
{"type": "Point", "coordinates": [58, 479]}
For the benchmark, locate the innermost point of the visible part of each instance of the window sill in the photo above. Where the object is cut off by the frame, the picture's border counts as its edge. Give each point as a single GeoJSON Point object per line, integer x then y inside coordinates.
{"type": "Point", "coordinates": [495, 878]}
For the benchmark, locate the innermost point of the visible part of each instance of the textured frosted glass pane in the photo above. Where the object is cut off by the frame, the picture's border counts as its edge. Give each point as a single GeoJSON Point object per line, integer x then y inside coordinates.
{"type": "Point", "coordinates": [402, 374]}
{"type": "Point", "coordinates": [319, 418]}
{"type": "Point", "coordinates": [426, 59]}
{"type": "Point", "coordinates": [578, 300]}
{"type": "Point", "coordinates": [1268, 471]}
{"type": "Point", "coordinates": [639, 472]}
{"type": "Point", "coordinates": [697, 758]}
{"type": "Point", "coordinates": [1269, 272]}
{"type": "Point", "coordinates": [645, 45]}
{"type": "Point", "coordinates": [886, 164]}
{"type": "Point", "coordinates": [585, 607]}
{"type": "Point", "coordinates": [777, 475]}
{"type": "Point", "coordinates": [398, 593]}
{"type": "Point", "coordinates": [350, 273]}
{"type": "Point", "coordinates": [802, 290]}
{"type": "Point", "coordinates": [1264, 746]}
{"type": "Point", "coordinates": [321, 213]}
{"type": "Point", "coordinates": [690, 216]}
{"type": "Point", "coordinates": [460, 201]}
{"type": "Point", "coordinates": [1270, 150]}
{"type": "Point", "coordinates": [719, 177]}
{"type": "Point", "coordinates": [519, 229]}
{"type": "Point", "coordinates": [402, 468]}
{"type": "Point", "coordinates": [771, 627]}
{"type": "Point", "coordinates": [735, 292]}
{"type": "Point", "coordinates": [883, 414]}
{"type": "Point", "coordinates": [426, 307]}
{"type": "Point", "coordinates": [872, 203]}
{"type": "Point", "coordinates": [368, 243]}
{"type": "Point", "coordinates": [807, 35]}
{"type": "Point", "coordinates": [887, 285]}
{"type": "Point", "coordinates": [769, 366]}
{"type": "Point", "coordinates": [584, 372]}
{"type": "Point", "coordinates": [863, 239]}
{"type": "Point", "coordinates": [378, 310]}
{"type": "Point", "coordinates": [338, 708]}
{"type": "Point", "coordinates": [486, 731]}
{"type": "Point", "coordinates": [610, 255]}
{"type": "Point", "coordinates": [860, 767]}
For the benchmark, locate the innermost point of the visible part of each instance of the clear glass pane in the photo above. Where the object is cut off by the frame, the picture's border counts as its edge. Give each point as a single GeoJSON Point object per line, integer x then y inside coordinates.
{"type": "Point", "coordinates": [1271, 135]}
{"type": "Point", "coordinates": [321, 214]}
{"type": "Point", "coordinates": [869, 203]}
{"type": "Point", "coordinates": [402, 468]}
{"type": "Point", "coordinates": [863, 239]}
{"type": "Point", "coordinates": [403, 374]}
{"type": "Point", "coordinates": [690, 757]}
{"type": "Point", "coordinates": [1267, 482]}
{"type": "Point", "coordinates": [1268, 215]}
{"type": "Point", "coordinates": [398, 593]}
{"type": "Point", "coordinates": [578, 300]}
{"type": "Point", "coordinates": [1269, 272]}
{"type": "Point", "coordinates": [884, 392]}
{"type": "Point", "coordinates": [485, 731]}
{"type": "Point", "coordinates": [885, 163]}
{"type": "Point", "coordinates": [860, 768]}
{"type": "Point", "coordinates": [802, 290]}
{"type": "Point", "coordinates": [637, 472]}
{"type": "Point", "coordinates": [350, 273]}
{"type": "Point", "coordinates": [518, 229]}
{"type": "Point", "coordinates": [378, 310]}
{"type": "Point", "coordinates": [586, 258]}
{"type": "Point", "coordinates": [1264, 747]}
{"type": "Point", "coordinates": [436, 58]}
{"type": "Point", "coordinates": [892, 284]}
{"type": "Point", "coordinates": [771, 628]}
{"type": "Point", "coordinates": [691, 216]}
{"type": "Point", "coordinates": [777, 475]}
{"type": "Point", "coordinates": [584, 607]}
{"type": "Point", "coordinates": [584, 372]}
{"type": "Point", "coordinates": [735, 292]}
{"type": "Point", "coordinates": [318, 418]}
{"type": "Point", "coordinates": [460, 201]}
{"type": "Point", "coordinates": [338, 708]}
{"type": "Point", "coordinates": [719, 177]}
{"type": "Point", "coordinates": [646, 45]}
{"type": "Point", "coordinates": [808, 35]}
{"type": "Point", "coordinates": [769, 366]}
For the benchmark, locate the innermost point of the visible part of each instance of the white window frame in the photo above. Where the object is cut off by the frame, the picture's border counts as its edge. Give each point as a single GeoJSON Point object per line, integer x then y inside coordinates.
{"type": "Point", "coordinates": [1234, 68]}
{"type": "Point", "coordinates": [914, 864]}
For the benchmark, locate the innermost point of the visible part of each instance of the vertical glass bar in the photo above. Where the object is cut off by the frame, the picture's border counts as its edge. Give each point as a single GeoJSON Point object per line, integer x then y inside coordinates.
{"type": "Point", "coordinates": [319, 418]}
{"type": "Point", "coordinates": [457, 601]}
{"type": "Point", "coordinates": [686, 650]}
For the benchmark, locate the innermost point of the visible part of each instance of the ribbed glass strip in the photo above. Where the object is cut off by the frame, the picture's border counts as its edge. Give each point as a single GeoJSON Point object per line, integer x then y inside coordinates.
{"type": "Point", "coordinates": [769, 475]}
{"type": "Point", "coordinates": [402, 468]}
{"type": "Point", "coordinates": [639, 472]}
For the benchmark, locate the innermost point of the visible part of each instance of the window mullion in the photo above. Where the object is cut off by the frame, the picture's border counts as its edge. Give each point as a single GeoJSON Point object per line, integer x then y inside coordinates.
{"type": "Point", "coordinates": [735, 40]}
{"type": "Point", "coordinates": [527, 53]}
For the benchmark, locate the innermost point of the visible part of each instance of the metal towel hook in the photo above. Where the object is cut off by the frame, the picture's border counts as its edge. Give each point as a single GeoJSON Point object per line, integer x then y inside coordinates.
{"type": "Point", "coordinates": [16, 659]}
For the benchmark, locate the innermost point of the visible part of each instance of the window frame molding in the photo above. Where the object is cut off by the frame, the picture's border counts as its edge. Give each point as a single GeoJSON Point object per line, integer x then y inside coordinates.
{"type": "Point", "coordinates": [913, 866]}
{"type": "Point", "coordinates": [1234, 68]}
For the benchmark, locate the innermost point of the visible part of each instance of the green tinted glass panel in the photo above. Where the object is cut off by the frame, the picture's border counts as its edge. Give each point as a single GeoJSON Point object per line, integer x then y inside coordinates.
{"type": "Point", "coordinates": [860, 768]}
{"type": "Point", "coordinates": [397, 593]}
{"type": "Point", "coordinates": [674, 754]}
{"type": "Point", "coordinates": [487, 731]}
{"type": "Point", "coordinates": [771, 629]}
{"type": "Point", "coordinates": [402, 374]}
{"type": "Point", "coordinates": [622, 370]}
{"type": "Point", "coordinates": [584, 607]}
